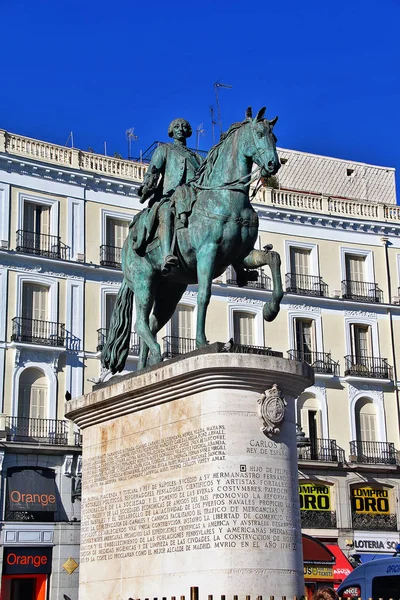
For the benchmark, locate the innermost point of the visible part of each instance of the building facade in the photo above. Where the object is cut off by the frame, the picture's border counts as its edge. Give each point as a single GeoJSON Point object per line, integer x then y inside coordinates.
{"type": "Point", "coordinates": [64, 216]}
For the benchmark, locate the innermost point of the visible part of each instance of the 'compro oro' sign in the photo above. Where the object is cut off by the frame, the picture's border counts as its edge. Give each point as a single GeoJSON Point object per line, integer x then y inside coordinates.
{"type": "Point", "coordinates": [314, 496]}
{"type": "Point", "coordinates": [368, 500]}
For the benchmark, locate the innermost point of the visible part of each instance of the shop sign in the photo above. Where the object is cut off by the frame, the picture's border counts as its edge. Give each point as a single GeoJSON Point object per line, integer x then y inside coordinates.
{"type": "Point", "coordinates": [32, 490]}
{"type": "Point", "coordinates": [368, 500]}
{"type": "Point", "coordinates": [375, 542]}
{"type": "Point", "coordinates": [314, 497]}
{"type": "Point", "coordinates": [20, 561]}
{"type": "Point", "coordinates": [318, 572]}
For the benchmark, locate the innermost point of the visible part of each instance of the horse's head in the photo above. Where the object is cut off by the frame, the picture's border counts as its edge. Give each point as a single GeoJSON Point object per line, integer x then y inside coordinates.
{"type": "Point", "coordinates": [261, 141]}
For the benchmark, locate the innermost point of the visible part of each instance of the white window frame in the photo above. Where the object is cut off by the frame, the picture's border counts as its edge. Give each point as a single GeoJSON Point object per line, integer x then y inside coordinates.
{"type": "Point", "coordinates": [76, 226]}
{"type": "Point", "coordinates": [251, 309]}
{"type": "Point", "coordinates": [105, 291]}
{"type": "Point", "coordinates": [51, 377]}
{"type": "Point", "coordinates": [49, 282]}
{"type": "Point", "coordinates": [369, 262]}
{"type": "Point", "coordinates": [378, 402]}
{"type": "Point", "coordinates": [5, 213]}
{"type": "Point", "coordinates": [189, 302]}
{"type": "Point", "coordinates": [372, 323]}
{"type": "Point", "coordinates": [111, 214]}
{"type": "Point", "coordinates": [41, 201]}
{"type": "Point", "coordinates": [313, 248]}
{"type": "Point", "coordinates": [307, 316]}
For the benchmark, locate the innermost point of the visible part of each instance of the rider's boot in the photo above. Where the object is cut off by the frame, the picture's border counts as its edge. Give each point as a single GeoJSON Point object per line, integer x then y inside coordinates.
{"type": "Point", "coordinates": [165, 235]}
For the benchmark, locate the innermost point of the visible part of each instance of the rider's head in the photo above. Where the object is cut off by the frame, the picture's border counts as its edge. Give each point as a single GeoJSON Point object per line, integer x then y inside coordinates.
{"type": "Point", "coordinates": [179, 129]}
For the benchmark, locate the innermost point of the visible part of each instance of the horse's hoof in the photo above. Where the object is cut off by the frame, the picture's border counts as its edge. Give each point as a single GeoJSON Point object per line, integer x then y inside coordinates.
{"type": "Point", "coordinates": [154, 359]}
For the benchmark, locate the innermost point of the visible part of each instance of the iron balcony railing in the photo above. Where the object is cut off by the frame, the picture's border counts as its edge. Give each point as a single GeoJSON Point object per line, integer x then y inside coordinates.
{"type": "Point", "coordinates": [361, 291]}
{"type": "Point", "coordinates": [375, 453]}
{"type": "Point", "coordinates": [41, 244]}
{"type": "Point", "coordinates": [322, 450]}
{"type": "Point", "coordinates": [35, 331]}
{"type": "Point", "coordinates": [309, 285]}
{"type": "Point", "coordinates": [175, 346]}
{"type": "Point", "coordinates": [133, 343]}
{"type": "Point", "coordinates": [368, 522]}
{"type": "Point", "coordinates": [48, 431]}
{"type": "Point", "coordinates": [320, 361]}
{"type": "Point", "coordinates": [367, 366]}
{"type": "Point", "coordinates": [263, 281]}
{"type": "Point", "coordinates": [110, 256]}
{"type": "Point", "coordinates": [318, 519]}
{"type": "Point", "coordinates": [250, 349]}
{"type": "Point", "coordinates": [147, 155]}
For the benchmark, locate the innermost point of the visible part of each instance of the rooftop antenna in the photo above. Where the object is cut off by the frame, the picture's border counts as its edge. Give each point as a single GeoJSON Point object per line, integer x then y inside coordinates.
{"type": "Point", "coordinates": [218, 85]}
{"type": "Point", "coordinates": [199, 132]}
{"type": "Point", "coordinates": [131, 137]}
{"type": "Point", "coordinates": [70, 137]}
{"type": "Point", "coordinates": [213, 123]}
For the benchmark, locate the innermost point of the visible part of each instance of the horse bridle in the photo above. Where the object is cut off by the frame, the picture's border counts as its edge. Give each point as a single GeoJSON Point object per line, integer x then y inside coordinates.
{"type": "Point", "coordinates": [251, 177]}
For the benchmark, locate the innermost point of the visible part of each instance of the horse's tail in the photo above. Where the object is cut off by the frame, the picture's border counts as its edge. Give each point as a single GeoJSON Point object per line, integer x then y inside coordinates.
{"type": "Point", "coordinates": [116, 348]}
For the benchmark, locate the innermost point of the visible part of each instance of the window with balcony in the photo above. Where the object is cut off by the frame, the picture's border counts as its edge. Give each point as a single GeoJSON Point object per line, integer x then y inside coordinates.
{"type": "Point", "coordinates": [35, 235]}
{"type": "Point", "coordinates": [243, 328]}
{"type": "Point", "coordinates": [366, 448]}
{"type": "Point", "coordinates": [33, 325]}
{"type": "Point", "coordinates": [305, 339]}
{"type": "Point", "coordinates": [356, 285]}
{"type": "Point", "coordinates": [300, 279]}
{"type": "Point", "coordinates": [363, 362]}
{"type": "Point", "coordinates": [182, 338]}
{"type": "Point", "coordinates": [116, 231]}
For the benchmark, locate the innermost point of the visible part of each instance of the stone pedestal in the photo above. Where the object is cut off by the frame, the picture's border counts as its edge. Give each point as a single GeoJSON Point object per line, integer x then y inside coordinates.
{"type": "Point", "coordinates": [181, 487]}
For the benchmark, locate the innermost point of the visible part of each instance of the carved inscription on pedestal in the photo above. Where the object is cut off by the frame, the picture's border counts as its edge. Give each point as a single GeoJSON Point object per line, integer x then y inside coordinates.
{"type": "Point", "coordinates": [224, 507]}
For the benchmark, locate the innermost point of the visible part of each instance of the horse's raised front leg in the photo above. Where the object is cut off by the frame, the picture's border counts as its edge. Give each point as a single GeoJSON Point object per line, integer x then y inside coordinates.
{"type": "Point", "coordinates": [259, 258]}
{"type": "Point", "coordinates": [205, 272]}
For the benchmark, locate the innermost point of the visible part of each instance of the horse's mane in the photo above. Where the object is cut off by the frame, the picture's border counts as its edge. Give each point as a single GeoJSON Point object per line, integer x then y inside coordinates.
{"type": "Point", "coordinates": [207, 166]}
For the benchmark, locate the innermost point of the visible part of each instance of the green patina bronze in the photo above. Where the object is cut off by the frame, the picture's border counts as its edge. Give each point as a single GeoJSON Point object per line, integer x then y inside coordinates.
{"type": "Point", "coordinates": [199, 220]}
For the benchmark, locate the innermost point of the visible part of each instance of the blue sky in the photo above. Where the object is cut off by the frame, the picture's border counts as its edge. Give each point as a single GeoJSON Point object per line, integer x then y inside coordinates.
{"type": "Point", "coordinates": [329, 69]}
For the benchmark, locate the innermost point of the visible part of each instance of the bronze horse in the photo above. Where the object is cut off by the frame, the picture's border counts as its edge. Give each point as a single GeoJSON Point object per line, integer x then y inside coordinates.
{"type": "Point", "coordinates": [222, 231]}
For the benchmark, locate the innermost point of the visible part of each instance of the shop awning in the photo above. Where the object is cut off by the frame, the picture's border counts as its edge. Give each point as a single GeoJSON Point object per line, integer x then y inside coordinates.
{"type": "Point", "coordinates": [342, 566]}
{"type": "Point", "coordinates": [315, 552]}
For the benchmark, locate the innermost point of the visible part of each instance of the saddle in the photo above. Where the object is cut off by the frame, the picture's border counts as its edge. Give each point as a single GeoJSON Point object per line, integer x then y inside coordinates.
{"type": "Point", "coordinates": [144, 225]}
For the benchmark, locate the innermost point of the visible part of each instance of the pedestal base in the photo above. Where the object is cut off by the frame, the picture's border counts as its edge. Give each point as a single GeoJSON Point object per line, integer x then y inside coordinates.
{"type": "Point", "coordinates": [182, 488]}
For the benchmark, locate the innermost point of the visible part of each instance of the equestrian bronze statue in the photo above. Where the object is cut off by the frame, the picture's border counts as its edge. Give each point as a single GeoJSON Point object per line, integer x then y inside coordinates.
{"type": "Point", "coordinates": [198, 222]}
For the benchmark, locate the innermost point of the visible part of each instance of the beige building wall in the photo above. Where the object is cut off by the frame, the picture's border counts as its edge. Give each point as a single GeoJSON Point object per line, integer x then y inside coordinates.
{"type": "Point", "coordinates": [327, 227]}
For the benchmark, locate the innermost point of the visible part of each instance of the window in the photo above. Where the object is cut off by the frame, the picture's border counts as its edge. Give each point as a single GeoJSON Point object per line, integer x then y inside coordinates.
{"type": "Point", "coordinates": [355, 268]}
{"type": "Point", "coordinates": [35, 301]}
{"type": "Point", "coordinates": [361, 344]}
{"type": "Point", "coordinates": [365, 421]}
{"type": "Point", "coordinates": [32, 399]}
{"type": "Point", "coordinates": [33, 324]}
{"type": "Point", "coordinates": [243, 328]}
{"type": "Point", "coordinates": [305, 339]}
{"type": "Point", "coordinates": [116, 232]}
{"type": "Point", "coordinates": [109, 305]}
{"type": "Point", "coordinates": [300, 261]}
{"type": "Point", "coordinates": [182, 322]}
{"type": "Point", "coordinates": [36, 218]}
